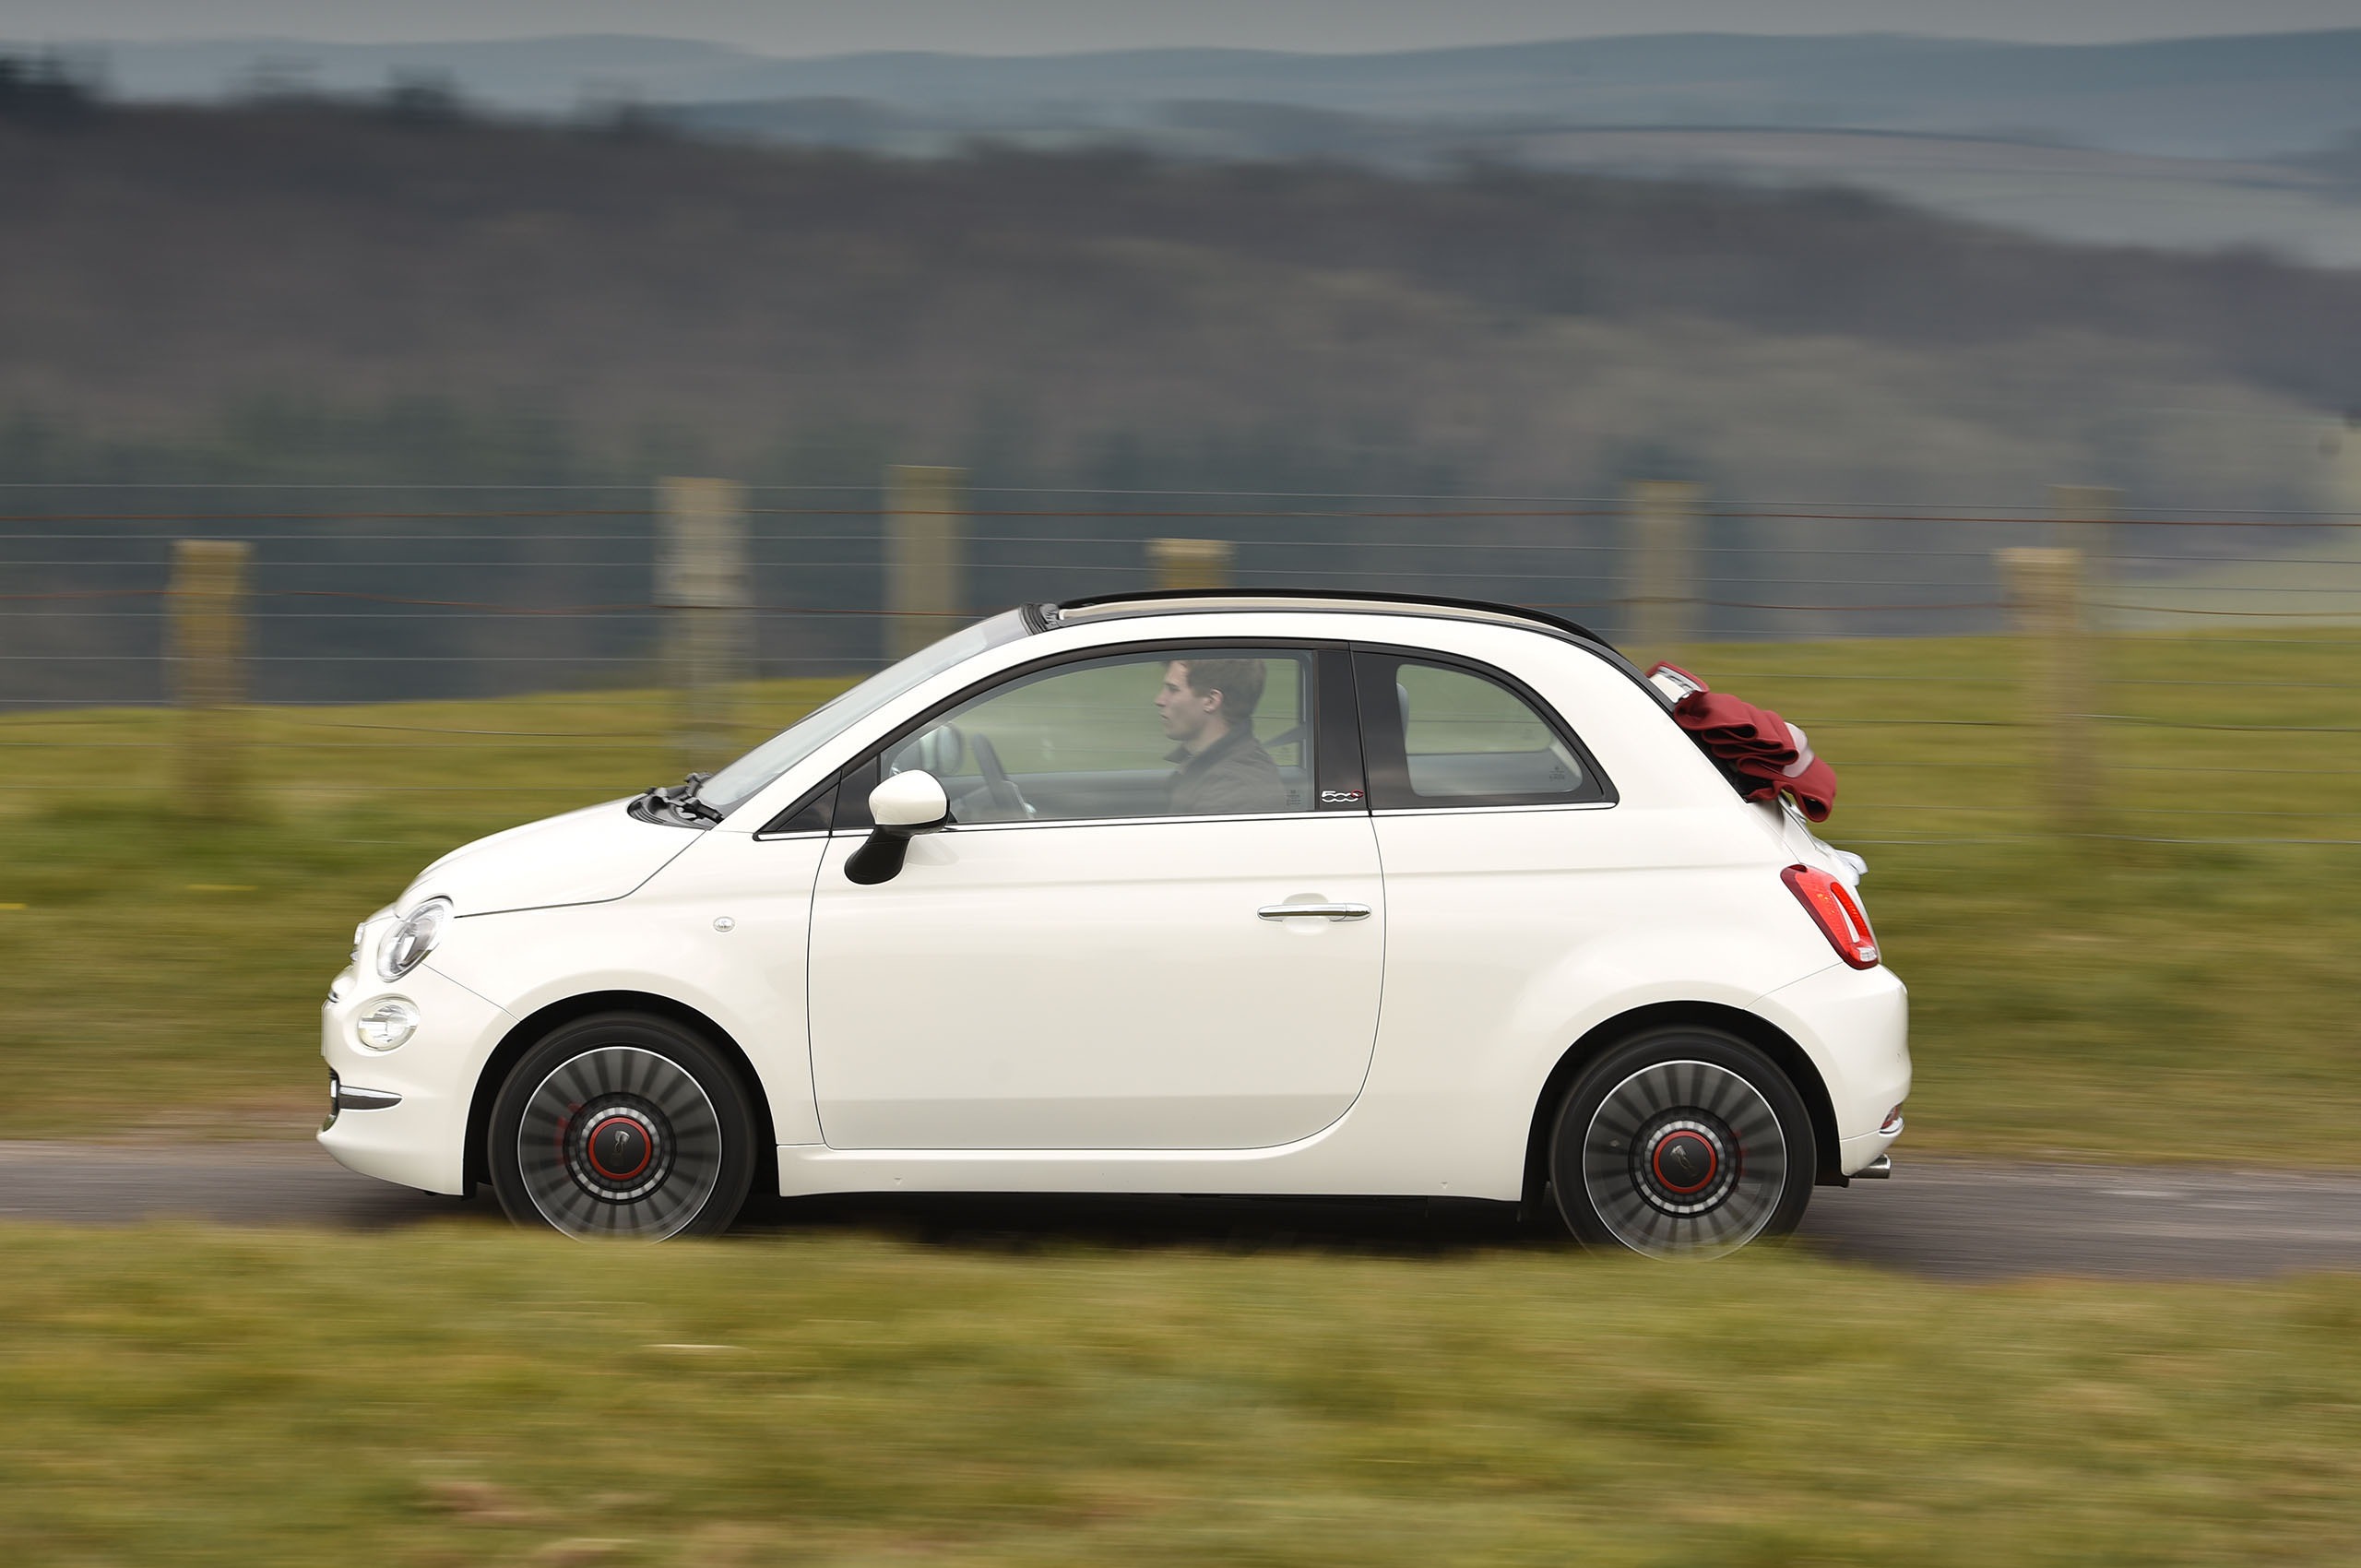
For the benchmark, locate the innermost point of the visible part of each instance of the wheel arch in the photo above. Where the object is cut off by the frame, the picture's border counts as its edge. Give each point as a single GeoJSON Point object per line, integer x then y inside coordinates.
{"type": "Point", "coordinates": [1752, 1028]}
{"type": "Point", "coordinates": [531, 1029]}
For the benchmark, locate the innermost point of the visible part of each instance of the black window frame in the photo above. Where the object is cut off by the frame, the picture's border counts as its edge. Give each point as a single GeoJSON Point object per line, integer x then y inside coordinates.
{"type": "Point", "coordinates": [1338, 781]}
{"type": "Point", "coordinates": [814, 813]}
{"type": "Point", "coordinates": [1385, 750]}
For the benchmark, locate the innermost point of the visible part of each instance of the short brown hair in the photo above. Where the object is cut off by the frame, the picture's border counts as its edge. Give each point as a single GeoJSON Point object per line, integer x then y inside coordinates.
{"type": "Point", "coordinates": [1239, 681]}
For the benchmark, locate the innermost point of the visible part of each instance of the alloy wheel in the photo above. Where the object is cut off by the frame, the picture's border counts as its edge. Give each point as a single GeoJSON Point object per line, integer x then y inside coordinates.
{"type": "Point", "coordinates": [620, 1143]}
{"type": "Point", "coordinates": [1684, 1159]}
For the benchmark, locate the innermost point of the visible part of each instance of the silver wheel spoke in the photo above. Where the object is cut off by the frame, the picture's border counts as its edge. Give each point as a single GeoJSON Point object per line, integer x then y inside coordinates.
{"type": "Point", "coordinates": [639, 1095]}
{"type": "Point", "coordinates": [1684, 1159]}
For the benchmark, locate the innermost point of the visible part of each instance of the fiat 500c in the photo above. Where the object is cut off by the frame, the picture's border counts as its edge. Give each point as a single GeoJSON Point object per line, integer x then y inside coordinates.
{"type": "Point", "coordinates": [1176, 893]}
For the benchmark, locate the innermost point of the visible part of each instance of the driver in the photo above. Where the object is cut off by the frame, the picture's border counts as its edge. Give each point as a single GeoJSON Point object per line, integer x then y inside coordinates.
{"type": "Point", "coordinates": [1207, 704]}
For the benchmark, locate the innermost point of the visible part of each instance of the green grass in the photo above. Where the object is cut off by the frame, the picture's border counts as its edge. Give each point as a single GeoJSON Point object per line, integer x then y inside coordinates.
{"type": "Point", "coordinates": [2098, 997]}
{"type": "Point", "coordinates": [192, 956]}
{"type": "Point", "coordinates": [180, 1396]}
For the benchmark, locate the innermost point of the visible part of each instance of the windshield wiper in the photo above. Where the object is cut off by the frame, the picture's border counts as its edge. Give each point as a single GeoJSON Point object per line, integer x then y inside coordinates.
{"type": "Point", "coordinates": [682, 798]}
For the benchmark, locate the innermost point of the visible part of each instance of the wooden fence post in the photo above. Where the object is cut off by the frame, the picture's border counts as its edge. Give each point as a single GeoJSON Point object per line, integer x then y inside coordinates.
{"type": "Point", "coordinates": [701, 579]}
{"type": "Point", "coordinates": [1191, 562]}
{"type": "Point", "coordinates": [2082, 517]}
{"type": "Point", "coordinates": [208, 655]}
{"type": "Point", "coordinates": [925, 543]}
{"type": "Point", "coordinates": [2046, 593]}
{"type": "Point", "coordinates": [1663, 522]}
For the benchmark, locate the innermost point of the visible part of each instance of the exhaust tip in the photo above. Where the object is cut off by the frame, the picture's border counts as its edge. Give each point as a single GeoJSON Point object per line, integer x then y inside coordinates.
{"type": "Point", "coordinates": [1879, 1169]}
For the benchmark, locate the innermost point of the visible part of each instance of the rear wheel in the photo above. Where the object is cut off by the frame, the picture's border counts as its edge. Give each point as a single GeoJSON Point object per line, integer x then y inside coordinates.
{"type": "Point", "coordinates": [1683, 1143]}
{"type": "Point", "coordinates": [623, 1126]}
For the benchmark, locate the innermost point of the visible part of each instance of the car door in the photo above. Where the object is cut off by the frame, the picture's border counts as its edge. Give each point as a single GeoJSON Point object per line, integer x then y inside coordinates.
{"type": "Point", "coordinates": [1099, 951]}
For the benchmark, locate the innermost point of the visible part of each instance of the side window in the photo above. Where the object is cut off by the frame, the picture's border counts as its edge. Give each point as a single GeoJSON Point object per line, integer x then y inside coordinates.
{"type": "Point", "coordinates": [1215, 731]}
{"type": "Point", "coordinates": [1443, 735]}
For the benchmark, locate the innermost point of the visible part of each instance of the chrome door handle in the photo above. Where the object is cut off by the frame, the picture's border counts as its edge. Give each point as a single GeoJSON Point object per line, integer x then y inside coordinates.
{"type": "Point", "coordinates": [1304, 911]}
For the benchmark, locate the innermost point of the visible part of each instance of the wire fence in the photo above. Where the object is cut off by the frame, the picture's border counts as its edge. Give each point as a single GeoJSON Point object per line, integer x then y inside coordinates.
{"type": "Point", "coordinates": [2220, 686]}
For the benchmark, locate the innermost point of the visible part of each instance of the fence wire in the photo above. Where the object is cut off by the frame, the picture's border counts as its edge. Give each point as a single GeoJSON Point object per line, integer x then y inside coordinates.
{"type": "Point", "coordinates": [2224, 669]}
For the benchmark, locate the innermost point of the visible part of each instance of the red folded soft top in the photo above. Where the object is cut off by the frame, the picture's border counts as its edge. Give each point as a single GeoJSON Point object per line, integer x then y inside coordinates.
{"type": "Point", "coordinates": [1763, 755]}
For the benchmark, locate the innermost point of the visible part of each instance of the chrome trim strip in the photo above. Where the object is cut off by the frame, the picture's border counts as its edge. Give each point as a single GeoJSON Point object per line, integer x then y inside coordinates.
{"type": "Point", "coordinates": [1494, 811]}
{"type": "Point", "coordinates": [1115, 822]}
{"type": "Point", "coordinates": [350, 1098]}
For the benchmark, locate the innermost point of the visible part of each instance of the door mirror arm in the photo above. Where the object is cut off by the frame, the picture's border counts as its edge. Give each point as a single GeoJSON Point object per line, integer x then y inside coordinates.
{"type": "Point", "coordinates": [903, 807]}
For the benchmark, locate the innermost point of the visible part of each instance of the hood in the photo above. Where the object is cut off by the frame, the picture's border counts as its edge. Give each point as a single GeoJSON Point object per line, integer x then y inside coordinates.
{"type": "Point", "coordinates": [585, 857]}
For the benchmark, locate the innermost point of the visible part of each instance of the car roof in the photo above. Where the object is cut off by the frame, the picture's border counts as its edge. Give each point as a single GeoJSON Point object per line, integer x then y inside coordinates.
{"type": "Point", "coordinates": [1171, 602]}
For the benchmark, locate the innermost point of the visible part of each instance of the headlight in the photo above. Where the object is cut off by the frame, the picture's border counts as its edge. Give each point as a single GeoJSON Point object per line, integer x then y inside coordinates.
{"type": "Point", "coordinates": [386, 1022]}
{"type": "Point", "coordinates": [413, 939]}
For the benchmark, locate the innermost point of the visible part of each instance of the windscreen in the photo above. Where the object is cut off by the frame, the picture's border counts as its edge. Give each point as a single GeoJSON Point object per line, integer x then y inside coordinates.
{"type": "Point", "coordinates": [746, 777]}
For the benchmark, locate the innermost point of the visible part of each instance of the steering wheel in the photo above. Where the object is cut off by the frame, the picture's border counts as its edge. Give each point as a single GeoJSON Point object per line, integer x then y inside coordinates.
{"type": "Point", "coordinates": [997, 783]}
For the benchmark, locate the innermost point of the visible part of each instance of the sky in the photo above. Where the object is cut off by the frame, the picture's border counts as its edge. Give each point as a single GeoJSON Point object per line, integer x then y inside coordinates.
{"type": "Point", "coordinates": [1031, 27]}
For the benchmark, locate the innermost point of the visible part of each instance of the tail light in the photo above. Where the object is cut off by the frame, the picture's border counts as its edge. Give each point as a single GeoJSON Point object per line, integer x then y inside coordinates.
{"type": "Point", "coordinates": [1837, 913]}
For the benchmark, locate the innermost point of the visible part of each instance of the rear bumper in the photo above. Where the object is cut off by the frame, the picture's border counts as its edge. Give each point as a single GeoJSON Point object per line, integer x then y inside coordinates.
{"type": "Point", "coordinates": [1855, 1025]}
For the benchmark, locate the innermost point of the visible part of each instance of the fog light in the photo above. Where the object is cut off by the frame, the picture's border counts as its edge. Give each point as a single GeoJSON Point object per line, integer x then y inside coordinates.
{"type": "Point", "coordinates": [386, 1022]}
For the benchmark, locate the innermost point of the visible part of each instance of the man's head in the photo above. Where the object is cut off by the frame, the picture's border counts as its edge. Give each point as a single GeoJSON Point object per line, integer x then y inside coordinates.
{"type": "Point", "coordinates": [1203, 699]}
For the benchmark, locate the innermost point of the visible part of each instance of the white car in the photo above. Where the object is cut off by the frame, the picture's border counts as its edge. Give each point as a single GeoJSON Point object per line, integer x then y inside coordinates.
{"type": "Point", "coordinates": [1199, 893]}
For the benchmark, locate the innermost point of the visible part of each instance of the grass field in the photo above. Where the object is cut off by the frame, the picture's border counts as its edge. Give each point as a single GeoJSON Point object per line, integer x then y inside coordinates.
{"type": "Point", "coordinates": [2104, 997]}
{"type": "Point", "coordinates": [179, 1397]}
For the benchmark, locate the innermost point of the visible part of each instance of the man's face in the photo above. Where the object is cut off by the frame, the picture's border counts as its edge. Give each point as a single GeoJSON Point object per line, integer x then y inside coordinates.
{"type": "Point", "coordinates": [1187, 714]}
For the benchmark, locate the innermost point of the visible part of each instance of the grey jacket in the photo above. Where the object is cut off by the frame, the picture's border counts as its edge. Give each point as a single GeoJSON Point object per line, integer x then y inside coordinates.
{"type": "Point", "coordinates": [1233, 775]}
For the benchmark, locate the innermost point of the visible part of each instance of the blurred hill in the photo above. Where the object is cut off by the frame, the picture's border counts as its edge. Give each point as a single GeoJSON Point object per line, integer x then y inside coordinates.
{"type": "Point", "coordinates": [325, 296]}
{"type": "Point", "coordinates": [626, 297]}
{"type": "Point", "coordinates": [2199, 143]}
{"type": "Point", "coordinates": [2200, 97]}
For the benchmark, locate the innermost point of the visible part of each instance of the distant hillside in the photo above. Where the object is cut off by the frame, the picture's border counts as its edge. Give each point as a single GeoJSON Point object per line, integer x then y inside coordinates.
{"type": "Point", "coordinates": [321, 295]}
{"type": "Point", "coordinates": [2204, 97]}
{"type": "Point", "coordinates": [1045, 314]}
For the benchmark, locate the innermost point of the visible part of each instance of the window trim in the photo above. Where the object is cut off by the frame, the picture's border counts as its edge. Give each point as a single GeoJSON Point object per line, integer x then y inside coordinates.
{"type": "Point", "coordinates": [822, 795]}
{"type": "Point", "coordinates": [1336, 769]}
{"type": "Point", "coordinates": [1191, 819]}
{"type": "Point", "coordinates": [1385, 748]}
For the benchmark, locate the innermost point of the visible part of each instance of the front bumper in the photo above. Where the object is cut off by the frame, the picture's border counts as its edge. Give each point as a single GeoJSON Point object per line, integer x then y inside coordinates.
{"type": "Point", "coordinates": [401, 1115]}
{"type": "Point", "coordinates": [344, 1096]}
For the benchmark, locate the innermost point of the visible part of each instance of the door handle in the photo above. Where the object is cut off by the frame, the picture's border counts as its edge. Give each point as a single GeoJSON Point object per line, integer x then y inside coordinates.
{"type": "Point", "coordinates": [1305, 911]}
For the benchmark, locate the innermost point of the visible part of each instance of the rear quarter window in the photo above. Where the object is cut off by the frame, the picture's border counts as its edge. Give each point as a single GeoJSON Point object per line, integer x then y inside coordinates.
{"type": "Point", "coordinates": [1441, 734]}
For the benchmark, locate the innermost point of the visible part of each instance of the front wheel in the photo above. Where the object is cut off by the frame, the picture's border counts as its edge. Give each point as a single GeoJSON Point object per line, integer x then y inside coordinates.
{"type": "Point", "coordinates": [623, 1126]}
{"type": "Point", "coordinates": [1682, 1143]}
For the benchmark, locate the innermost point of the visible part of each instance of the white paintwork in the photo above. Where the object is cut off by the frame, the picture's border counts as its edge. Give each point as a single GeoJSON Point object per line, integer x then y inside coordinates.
{"type": "Point", "coordinates": [909, 800]}
{"type": "Point", "coordinates": [1096, 984]}
{"type": "Point", "coordinates": [1086, 998]}
{"type": "Point", "coordinates": [584, 857]}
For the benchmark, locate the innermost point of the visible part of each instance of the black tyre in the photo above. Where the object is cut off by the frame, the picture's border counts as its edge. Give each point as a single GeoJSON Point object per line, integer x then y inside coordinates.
{"type": "Point", "coordinates": [1681, 1143]}
{"type": "Point", "coordinates": [624, 1128]}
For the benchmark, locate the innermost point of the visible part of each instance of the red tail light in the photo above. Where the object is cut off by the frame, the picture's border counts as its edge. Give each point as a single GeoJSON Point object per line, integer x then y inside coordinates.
{"type": "Point", "coordinates": [1837, 913]}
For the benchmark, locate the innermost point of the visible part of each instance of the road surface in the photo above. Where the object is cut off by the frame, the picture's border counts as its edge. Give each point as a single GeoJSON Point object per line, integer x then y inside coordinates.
{"type": "Point", "coordinates": [1946, 1219]}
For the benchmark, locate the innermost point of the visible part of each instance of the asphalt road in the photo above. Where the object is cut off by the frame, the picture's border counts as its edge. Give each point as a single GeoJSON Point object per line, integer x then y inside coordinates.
{"type": "Point", "coordinates": [1945, 1218]}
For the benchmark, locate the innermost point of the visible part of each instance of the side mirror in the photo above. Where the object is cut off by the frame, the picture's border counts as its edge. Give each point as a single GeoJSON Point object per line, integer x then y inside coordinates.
{"type": "Point", "coordinates": [903, 806]}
